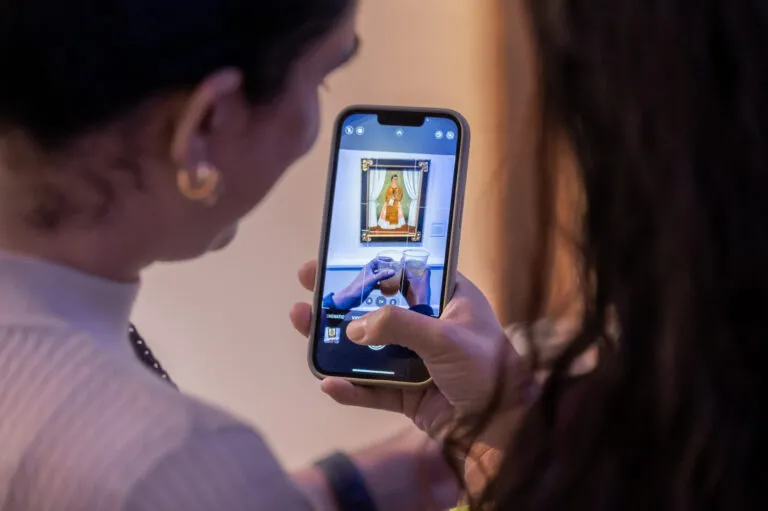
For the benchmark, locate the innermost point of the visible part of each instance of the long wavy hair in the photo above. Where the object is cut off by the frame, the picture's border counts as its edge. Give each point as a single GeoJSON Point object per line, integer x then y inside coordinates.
{"type": "Point", "coordinates": [666, 105]}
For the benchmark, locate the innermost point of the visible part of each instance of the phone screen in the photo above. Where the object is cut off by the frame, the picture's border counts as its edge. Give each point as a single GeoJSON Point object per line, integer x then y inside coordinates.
{"type": "Point", "coordinates": [388, 233]}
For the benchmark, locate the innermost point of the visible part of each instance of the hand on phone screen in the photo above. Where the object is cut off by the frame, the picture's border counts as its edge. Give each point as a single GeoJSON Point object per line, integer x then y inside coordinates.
{"type": "Point", "coordinates": [362, 286]}
{"type": "Point", "coordinates": [416, 286]}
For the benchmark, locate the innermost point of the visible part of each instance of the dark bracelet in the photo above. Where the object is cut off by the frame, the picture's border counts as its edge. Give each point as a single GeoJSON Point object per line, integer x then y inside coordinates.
{"type": "Point", "coordinates": [347, 483]}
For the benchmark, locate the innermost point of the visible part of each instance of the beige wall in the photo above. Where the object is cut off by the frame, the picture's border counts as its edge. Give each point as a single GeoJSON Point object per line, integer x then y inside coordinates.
{"type": "Point", "coordinates": [220, 325]}
{"type": "Point", "coordinates": [519, 234]}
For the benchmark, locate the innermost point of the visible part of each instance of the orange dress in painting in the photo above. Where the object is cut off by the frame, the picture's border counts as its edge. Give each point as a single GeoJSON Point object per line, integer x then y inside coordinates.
{"type": "Point", "coordinates": [392, 213]}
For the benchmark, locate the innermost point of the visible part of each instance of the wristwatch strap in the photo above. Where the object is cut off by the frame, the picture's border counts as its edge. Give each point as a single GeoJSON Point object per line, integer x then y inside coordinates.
{"type": "Point", "coordinates": [346, 483]}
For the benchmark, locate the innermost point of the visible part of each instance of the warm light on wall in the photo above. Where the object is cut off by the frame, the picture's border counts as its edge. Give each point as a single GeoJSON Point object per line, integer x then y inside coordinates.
{"type": "Point", "coordinates": [519, 234]}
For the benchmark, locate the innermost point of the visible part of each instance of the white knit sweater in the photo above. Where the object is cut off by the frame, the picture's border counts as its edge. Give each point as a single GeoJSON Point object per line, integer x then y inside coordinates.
{"type": "Point", "coordinates": [85, 426]}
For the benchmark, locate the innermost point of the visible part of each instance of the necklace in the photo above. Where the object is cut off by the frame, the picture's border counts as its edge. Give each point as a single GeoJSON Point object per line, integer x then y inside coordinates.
{"type": "Point", "coordinates": [145, 354]}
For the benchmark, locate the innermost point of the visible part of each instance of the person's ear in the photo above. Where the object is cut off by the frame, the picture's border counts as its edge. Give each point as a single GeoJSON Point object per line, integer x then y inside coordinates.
{"type": "Point", "coordinates": [207, 109]}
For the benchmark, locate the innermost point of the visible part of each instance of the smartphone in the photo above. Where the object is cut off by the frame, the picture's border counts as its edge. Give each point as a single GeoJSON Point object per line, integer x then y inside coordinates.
{"type": "Point", "coordinates": [390, 234]}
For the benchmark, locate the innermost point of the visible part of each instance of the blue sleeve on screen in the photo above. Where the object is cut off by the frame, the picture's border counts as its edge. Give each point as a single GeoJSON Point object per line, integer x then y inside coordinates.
{"type": "Point", "coordinates": [328, 302]}
{"type": "Point", "coordinates": [423, 309]}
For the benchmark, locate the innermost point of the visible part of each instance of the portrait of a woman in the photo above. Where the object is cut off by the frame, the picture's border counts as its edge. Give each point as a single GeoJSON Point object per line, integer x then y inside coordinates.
{"type": "Point", "coordinates": [392, 213]}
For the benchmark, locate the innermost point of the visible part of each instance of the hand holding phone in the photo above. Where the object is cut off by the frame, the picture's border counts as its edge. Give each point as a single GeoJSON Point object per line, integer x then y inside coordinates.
{"type": "Point", "coordinates": [390, 234]}
{"type": "Point", "coordinates": [463, 350]}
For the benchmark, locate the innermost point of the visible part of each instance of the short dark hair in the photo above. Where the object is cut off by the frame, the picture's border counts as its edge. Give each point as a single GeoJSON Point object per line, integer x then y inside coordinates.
{"type": "Point", "coordinates": [70, 65]}
{"type": "Point", "coordinates": [394, 176]}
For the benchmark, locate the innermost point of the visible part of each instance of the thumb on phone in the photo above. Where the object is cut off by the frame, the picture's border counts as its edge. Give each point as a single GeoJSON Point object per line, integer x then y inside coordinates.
{"type": "Point", "coordinates": [422, 334]}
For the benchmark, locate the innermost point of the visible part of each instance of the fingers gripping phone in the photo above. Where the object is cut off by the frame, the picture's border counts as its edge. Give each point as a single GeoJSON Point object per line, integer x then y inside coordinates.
{"type": "Point", "coordinates": [390, 234]}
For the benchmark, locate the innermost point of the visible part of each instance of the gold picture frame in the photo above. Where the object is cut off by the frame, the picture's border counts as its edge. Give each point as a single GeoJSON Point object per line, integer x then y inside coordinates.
{"type": "Point", "coordinates": [413, 231]}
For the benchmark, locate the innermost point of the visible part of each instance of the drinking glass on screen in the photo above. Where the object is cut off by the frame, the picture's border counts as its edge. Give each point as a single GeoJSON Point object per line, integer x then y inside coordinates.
{"type": "Point", "coordinates": [415, 261]}
{"type": "Point", "coordinates": [391, 259]}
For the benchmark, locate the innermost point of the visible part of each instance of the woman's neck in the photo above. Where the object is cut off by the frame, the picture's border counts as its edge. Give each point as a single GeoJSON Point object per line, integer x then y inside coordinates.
{"type": "Point", "coordinates": [96, 251]}
{"type": "Point", "coordinates": [40, 291]}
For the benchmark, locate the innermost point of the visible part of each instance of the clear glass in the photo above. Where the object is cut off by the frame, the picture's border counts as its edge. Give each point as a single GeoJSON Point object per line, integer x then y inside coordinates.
{"type": "Point", "coordinates": [393, 260]}
{"type": "Point", "coordinates": [415, 261]}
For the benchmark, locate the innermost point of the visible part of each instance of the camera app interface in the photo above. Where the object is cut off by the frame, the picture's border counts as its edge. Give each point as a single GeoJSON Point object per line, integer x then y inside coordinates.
{"type": "Point", "coordinates": [388, 238]}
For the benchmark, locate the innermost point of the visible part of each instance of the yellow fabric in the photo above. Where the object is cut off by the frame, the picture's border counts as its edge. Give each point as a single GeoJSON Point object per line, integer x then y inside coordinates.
{"type": "Point", "coordinates": [394, 196]}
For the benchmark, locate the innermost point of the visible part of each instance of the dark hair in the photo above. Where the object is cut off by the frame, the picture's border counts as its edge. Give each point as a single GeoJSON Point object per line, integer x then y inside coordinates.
{"type": "Point", "coordinates": [666, 105]}
{"type": "Point", "coordinates": [393, 178]}
{"type": "Point", "coordinates": [68, 66]}
{"type": "Point", "coordinates": [71, 66]}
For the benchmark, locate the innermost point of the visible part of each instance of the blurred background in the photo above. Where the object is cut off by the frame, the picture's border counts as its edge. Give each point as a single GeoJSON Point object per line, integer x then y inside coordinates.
{"type": "Point", "coordinates": [220, 325]}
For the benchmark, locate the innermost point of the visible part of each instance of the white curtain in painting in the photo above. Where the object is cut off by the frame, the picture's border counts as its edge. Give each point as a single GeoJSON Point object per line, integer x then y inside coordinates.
{"type": "Point", "coordinates": [376, 181]}
{"type": "Point", "coordinates": [412, 187]}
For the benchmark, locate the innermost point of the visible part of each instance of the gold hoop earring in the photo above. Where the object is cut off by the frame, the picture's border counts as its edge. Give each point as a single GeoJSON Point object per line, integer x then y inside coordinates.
{"type": "Point", "coordinates": [200, 186]}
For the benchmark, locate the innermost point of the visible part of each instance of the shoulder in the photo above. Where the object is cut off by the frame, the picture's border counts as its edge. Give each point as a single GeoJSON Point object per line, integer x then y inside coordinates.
{"type": "Point", "coordinates": [92, 430]}
{"type": "Point", "coordinates": [228, 468]}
